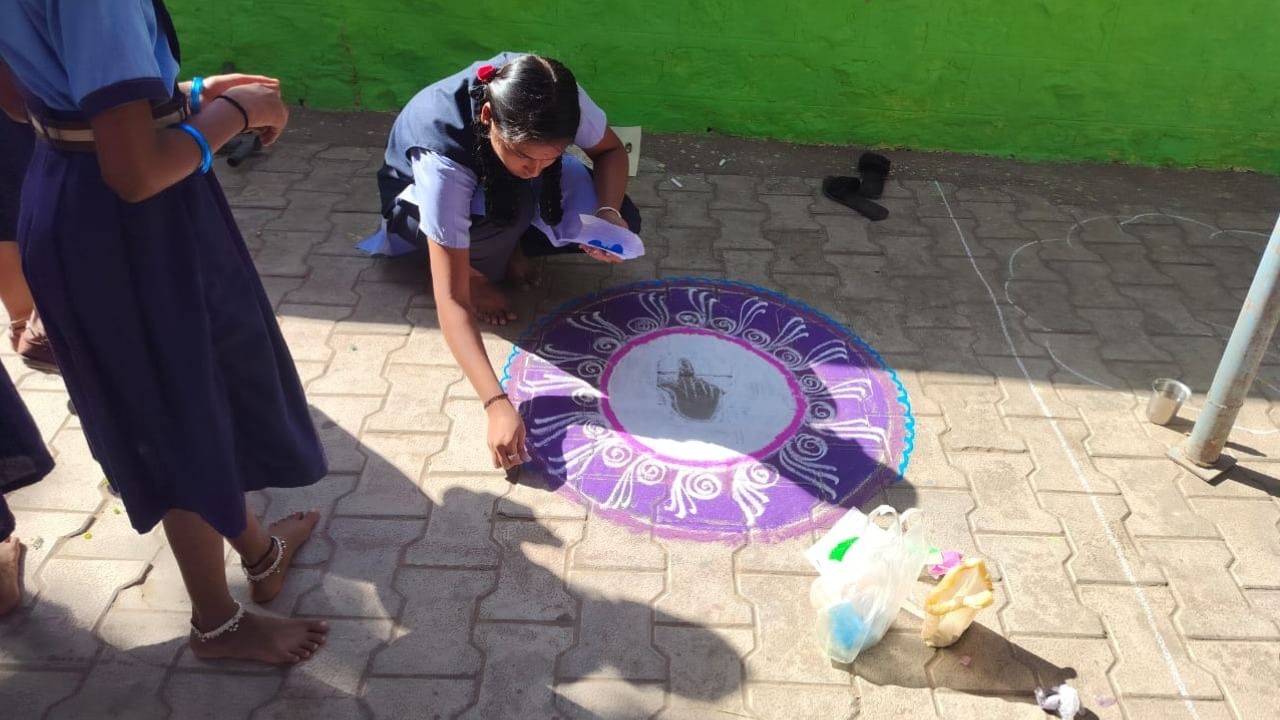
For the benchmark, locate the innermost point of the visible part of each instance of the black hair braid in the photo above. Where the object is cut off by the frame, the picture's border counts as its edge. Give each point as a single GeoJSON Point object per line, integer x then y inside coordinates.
{"type": "Point", "coordinates": [551, 203]}
{"type": "Point", "coordinates": [498, 183]}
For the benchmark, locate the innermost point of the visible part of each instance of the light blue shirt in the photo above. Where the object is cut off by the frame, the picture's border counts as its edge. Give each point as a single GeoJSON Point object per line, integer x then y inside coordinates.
{"type": "Point", "coordinates": [448, 195]}
{"type": "Point", "coordinates": [87, 56]}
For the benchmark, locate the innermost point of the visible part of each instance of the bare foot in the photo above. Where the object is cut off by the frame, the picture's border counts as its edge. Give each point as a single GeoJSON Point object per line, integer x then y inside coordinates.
{"type": "Point", "coordinates": [523, 271]}
{"type": "Point", "coordinates": [10, 562]}
{"type": "Point", "coordinates": [294, 530]}
{"type": "Point", "coordinates": [276, 641]}
{"type": "Point", "coordinates": [489, 303]}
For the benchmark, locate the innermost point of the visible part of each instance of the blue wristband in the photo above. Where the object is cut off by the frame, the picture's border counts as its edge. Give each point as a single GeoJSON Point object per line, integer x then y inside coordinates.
{"type": "Point", "coordinates": [206, 153]}
{"type": "Point", "coordinates": [197, 88]}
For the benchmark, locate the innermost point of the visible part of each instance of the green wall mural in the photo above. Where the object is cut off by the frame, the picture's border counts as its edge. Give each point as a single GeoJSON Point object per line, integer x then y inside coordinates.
{"type": "Point", "coordinates": [1165, 82]}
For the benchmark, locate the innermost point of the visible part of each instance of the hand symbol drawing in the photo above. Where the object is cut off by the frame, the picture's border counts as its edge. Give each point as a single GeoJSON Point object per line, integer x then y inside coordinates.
{"type": "Point", "coordinates": [692, 396]}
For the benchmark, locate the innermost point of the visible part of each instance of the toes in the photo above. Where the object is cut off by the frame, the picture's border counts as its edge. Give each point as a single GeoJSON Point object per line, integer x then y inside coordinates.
{"type": "Point", "coordinates": [309, 518]}
{"type": "Point", "coordinates": [299, 516]}
{"type": "Point", "coordinates": [318, 626]}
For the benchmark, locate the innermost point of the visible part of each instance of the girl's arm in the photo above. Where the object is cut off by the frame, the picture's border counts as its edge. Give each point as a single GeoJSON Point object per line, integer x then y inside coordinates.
{"type": "Point", "coordinates": [609, 157]}
{"type": "Point", "coordinates": [450, 279]}
{"type": "Point", "coordinates": [11, 101]}
{"type": "Point", "coordinates": [139, 161]}
{"type": "Point", "coordinates": [216, 85]}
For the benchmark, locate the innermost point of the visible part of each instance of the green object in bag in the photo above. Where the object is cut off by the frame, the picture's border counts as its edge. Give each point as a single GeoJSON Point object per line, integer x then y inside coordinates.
{"type": "Point", "coordinates": [837, 552]}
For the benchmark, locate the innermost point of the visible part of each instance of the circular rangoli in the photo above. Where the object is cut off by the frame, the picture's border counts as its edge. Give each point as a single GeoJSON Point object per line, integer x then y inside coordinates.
{"type": "Point", "coordinates": [702, 407]}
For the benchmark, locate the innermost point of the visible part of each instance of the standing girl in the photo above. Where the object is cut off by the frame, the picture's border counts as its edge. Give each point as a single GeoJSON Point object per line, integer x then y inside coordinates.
{"type": "Point", "coordinates": [23, 456]}
{"type": "Point", "coordinates": [476, 172]}
{"type": "Point", "coordinates": [169, 348]}
{"type": "Point", "coordinates": [26, 335]}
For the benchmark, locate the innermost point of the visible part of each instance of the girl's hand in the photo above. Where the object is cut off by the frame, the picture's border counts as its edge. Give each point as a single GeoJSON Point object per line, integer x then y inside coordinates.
{"type": "Point", "coordinates": [268, 115]}
{"type": "Point", "coordinates": [612, 218]}
{"type": "Point", "coordinates": [216, 85]}
{"type": "Point", "coordinates": [506, 435]}
{"type": "Point", "coordinates": [601, 255]}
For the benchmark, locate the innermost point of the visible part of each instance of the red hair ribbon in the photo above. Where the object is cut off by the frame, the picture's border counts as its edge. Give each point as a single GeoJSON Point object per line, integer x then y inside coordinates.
{"type": "Point", "coordinates": [485, 73]}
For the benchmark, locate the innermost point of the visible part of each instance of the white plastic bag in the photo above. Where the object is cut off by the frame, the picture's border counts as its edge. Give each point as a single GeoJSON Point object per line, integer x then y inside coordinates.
{"type": "Point", "coordinates": [863, 584]}
{"type": "Point", "coordinates": [827, 553]}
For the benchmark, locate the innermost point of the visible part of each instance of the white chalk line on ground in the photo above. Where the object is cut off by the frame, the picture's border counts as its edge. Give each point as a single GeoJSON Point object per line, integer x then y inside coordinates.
{"type": "Point", "coordinates": [1240, 232]}
{"type": "Point", "coordinates": [1079, 224]}
{"type": "Point", "coordinates": [1112, 540]}
{"type": "Point", "coordinates": [1012, 276]}
{"type": "Point", "coordinates": [1252, 431]}
{"type": "Point", "coordinates": [1049, 347]}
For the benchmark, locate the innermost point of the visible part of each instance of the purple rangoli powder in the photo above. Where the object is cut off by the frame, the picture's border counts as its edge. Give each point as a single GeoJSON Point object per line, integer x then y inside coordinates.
{"type": "Point", "coordinates": [704, 408]}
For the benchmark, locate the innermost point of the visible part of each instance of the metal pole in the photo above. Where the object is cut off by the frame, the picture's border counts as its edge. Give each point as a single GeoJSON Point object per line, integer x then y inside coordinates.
{"type": "Point", "coordinates": [1239, 365]}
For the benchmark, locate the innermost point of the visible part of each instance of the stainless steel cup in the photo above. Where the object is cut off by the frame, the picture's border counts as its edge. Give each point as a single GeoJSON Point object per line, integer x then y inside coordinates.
{"type": "Point", "coordinates": [1167, 396]}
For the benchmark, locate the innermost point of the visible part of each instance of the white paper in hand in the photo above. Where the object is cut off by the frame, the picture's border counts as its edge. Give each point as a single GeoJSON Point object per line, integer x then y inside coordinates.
{"type": "Point", "coordinates": [604, 235]}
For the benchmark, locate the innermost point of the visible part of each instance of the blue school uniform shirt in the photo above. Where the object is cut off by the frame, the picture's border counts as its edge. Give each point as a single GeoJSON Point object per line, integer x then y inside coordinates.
{"type": "Point", "coordinates": [430, 143]}
{"type": "Point", "coordinates": [86, 56]}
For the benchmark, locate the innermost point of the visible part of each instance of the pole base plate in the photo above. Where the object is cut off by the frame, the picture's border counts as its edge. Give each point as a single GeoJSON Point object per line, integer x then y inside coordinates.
{"type": "Point", "coordinates": [1209, 474]}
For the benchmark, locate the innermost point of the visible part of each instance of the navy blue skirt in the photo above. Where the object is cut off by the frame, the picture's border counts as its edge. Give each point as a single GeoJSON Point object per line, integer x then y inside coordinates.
{"type": "Point", "coordinates": [167, 342]}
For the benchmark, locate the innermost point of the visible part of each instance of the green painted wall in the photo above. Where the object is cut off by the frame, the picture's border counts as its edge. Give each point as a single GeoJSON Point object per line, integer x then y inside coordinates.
{"type": "Point", "coordinates": [1178, 82]}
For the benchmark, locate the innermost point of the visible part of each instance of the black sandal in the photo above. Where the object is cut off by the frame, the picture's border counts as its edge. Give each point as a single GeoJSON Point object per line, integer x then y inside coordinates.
{"type": "Point", "coordinates": [874, 170]}
{"type": "Point", "coordinates": [845, 190]}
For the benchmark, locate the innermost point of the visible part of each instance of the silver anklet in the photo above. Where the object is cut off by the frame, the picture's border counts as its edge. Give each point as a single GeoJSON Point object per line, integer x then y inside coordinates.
{"type": "Point", "coordinates": [229, 626]}
{"type": "Point", "coordinates": [279, 544]}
